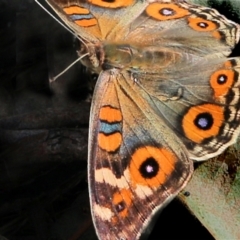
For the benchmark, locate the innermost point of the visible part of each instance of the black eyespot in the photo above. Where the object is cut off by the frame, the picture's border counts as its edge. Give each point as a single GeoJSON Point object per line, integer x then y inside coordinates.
{"type": "Point", "coordinates": [202, 25]}
{"type": "Point", "coordinates": [120, 206]}
{"type": "Point", "coordinates": [222, 79]}
{"type": "Point", "coordinates": [149, 168]}
{"type": "Point", "coordinates": [204, 121]}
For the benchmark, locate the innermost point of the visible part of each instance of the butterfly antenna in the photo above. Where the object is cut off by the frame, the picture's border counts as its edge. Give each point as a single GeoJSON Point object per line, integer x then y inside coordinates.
{"type": "Point", "coordinates": [61, 73]}
{"type": "Point", "coordinates": [69, 30]}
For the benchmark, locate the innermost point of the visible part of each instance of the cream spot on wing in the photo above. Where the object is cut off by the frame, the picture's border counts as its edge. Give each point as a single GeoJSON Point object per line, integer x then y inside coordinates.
{"type": "Point", "coordinates": [143, 191]}
{"type": "Point", "coordinates": [105, 175]}
{"type": "Point", "coordinates": [102, 212]}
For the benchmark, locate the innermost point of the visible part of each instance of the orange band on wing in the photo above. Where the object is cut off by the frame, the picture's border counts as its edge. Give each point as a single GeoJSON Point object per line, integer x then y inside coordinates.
{"type": "Point", "coordinates": [150, 166]}
{"type": "Point", "coordinates": [86, 22]}
{"type": "Point", "coordinates": [165, 11]}
{"type": "Point", "coordinates": [110, 114]}
{"type": "Point", "coordinates": [109, 143]}
{"type": "Point", "coordinates": [203, 121]}
{"type": "Point", "coordinates": [112, 4]}
{"type": "Point", "coordinates": [76, 10]}
{"type": "Point", "coordinates": [81, 16]}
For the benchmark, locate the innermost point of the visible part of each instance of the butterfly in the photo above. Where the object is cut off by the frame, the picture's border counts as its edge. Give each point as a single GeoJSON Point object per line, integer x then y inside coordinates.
{"type": "Point", "coordinates": [167, 94]}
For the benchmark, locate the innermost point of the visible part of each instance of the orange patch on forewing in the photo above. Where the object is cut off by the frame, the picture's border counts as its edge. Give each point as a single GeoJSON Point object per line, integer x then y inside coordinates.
{"type": "Point", "coordinates": [110, 114]}
{"type": "Point", "coordinates": [109, 143]}
{"type": "Point", "coordinates": [76, 10]}
{"type": "Point", "coordinates": [86, 22]}
{"type": "Point", "coordinates": [165, 159]}
{"type": "Point", "coordinates": [196, 134]}
{"type": "Point", "coordinates": [154, 10]}
{"type": "Point", "coordinates": [112, 4]}
{"type": "Point", "coordinates": [195, 24]}
{"type": "Point", "coordinates": [221, 89]}
{"type": "Point", "coordinates": [124, 199]}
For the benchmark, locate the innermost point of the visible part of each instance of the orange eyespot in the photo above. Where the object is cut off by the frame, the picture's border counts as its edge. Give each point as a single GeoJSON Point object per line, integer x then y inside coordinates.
{"type": "Point", "coordinates": [202, 25]}
{"type": "Point", "coordinates": [203, 121]}
{"type": "Point", "coordinates": [166, 11]}
{"type": "Point", "coordinates": [150, 166]}
{"type": "Point", "coordinates": [221, 81]}
{"type": "Point", "coordinates": [122, 201]}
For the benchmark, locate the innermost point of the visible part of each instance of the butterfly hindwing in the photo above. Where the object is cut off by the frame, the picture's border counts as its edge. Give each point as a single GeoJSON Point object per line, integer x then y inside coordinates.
{"type": "Point", "coordinates": [202, 107]}
{"type": "Point", "coordinates": [134, 169]}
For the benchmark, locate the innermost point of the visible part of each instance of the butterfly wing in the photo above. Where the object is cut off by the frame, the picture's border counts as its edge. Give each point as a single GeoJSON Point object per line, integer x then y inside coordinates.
{"type": "Point", "coordinates": [193, 85]}
{"type": "Point", "coordinates": [136, 163]}
{"type": "Point", "coordinates": [161, 23]}
{"type": "Point", "coordinates": [184, 27]}
{"type": "Point", "coordinates": [96, 21]}
{"type": "Point", "coordinates": [201, 104]}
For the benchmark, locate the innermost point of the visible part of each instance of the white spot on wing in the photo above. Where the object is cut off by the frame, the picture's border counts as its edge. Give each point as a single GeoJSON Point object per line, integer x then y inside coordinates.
{"type": "Point", "coordinates": [105, 175]}
{"type": "Point", "coordinates": [143, 191]}
{"type": "Point", "coordinates": [102, 212]}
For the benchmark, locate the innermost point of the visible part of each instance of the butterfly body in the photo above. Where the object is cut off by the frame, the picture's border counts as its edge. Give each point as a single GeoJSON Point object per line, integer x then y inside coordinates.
{"type": "Point", "coordinates": [167, 93]}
